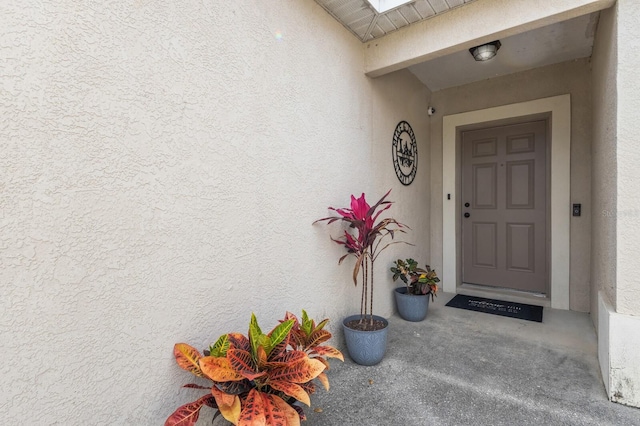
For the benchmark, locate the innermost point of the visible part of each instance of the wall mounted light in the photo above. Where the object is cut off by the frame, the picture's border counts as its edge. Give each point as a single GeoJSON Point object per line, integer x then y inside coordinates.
{"type": "Point", "coordinates": [485, 52]}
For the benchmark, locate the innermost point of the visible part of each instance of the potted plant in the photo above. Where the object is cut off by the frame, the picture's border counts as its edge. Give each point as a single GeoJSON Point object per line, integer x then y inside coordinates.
{"type": "Point", "coordinates": [366, 334]}
{"type": "Point", "coordinates": [258, 379]}
{"type": "Point", "coordinates": [421, 285]}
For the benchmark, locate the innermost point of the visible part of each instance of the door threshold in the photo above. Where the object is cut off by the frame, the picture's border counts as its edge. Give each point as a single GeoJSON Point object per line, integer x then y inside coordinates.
{"type": "Point", "coordinates": [506, 294]}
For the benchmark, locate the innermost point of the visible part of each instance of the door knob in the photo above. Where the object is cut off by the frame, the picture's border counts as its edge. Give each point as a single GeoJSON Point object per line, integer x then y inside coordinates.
{"type": "Point", "coordinates": [467, 215]}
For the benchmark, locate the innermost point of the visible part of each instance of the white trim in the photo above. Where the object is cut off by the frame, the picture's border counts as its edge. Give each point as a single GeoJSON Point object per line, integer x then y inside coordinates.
{"type": "Point", "coordinates": [560, 109]}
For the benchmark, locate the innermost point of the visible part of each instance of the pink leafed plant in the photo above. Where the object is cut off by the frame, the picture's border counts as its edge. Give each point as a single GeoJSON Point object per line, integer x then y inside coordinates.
{"type": "Point", "coordinates": [364, 239]}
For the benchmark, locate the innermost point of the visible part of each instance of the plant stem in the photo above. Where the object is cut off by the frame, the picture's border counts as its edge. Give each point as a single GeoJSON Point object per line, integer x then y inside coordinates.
{"type": "Point", "coordinates": [365, 284]}
{"type": "Point", "coordinates": [363, 302]}
{"type": "Point", "coordinates": [371, 298]}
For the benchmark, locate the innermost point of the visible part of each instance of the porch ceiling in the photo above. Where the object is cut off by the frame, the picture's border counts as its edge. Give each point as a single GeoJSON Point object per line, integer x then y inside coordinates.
{"type": "Point", "coordinates": [561, 41]}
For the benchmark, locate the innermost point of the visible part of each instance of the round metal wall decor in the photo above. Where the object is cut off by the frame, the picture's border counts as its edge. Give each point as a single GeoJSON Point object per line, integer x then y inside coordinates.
{"type": "Point", "coordinates": [405, 153]}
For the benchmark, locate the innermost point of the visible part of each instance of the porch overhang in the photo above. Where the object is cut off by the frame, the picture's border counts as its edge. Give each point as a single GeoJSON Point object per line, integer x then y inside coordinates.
{"type": "Point", "coordinates": [436, 37]}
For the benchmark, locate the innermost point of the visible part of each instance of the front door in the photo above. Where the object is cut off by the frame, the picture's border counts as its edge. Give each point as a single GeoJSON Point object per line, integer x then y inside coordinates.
{"type": "Point", "coordinates": [504, 207]}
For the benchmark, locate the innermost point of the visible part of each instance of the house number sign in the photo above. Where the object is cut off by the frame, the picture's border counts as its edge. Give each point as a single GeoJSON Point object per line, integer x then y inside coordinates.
{"type": "Point", "coordinates": [405, 153]}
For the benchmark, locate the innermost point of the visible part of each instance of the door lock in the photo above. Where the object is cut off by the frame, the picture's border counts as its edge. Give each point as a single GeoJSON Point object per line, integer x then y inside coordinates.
{"type": "Point", "coordinates": [467, 214]}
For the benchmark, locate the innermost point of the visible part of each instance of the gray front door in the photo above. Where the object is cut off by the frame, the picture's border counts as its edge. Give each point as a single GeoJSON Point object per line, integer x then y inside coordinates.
{"type": "Point", "coordinates": [504, 207]}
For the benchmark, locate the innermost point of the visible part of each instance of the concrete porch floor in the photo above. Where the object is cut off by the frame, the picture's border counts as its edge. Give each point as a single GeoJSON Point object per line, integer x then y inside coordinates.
{"type": "Point", "coordinates": [460, 367]}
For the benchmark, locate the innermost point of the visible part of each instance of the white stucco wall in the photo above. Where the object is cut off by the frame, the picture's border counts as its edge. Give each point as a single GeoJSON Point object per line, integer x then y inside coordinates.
{"type": "Point", "coordinates": [160, 169]}
{"type": "Point", "coordinates": [604, 167]}
{"type": "Point", "coordinates": [615, 228]}
{"type": "Point", "coordinates": [572, 77]}
{"type": "Point", "coordinates": [401, 96]}
{"type": "Point", "coordinates": [628, 157]}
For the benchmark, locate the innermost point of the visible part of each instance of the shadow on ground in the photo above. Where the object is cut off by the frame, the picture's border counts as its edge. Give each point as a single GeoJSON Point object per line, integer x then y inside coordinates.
{"type": "Point", "coordinates": [467, 368]}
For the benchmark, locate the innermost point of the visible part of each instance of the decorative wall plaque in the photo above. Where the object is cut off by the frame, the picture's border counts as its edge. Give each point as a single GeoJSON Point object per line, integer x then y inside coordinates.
{"type": "Point", "coordinates": [405, 153]}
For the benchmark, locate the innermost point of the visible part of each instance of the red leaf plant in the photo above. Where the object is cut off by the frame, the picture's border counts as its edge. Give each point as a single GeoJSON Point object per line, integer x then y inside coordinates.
{"type": "Point", "coordinates": [363, 239]}
{"type": "Point", "coordinates": [257, 379]}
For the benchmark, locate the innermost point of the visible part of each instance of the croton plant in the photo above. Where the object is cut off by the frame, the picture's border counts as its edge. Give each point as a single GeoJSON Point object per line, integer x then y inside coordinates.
{"type": "Point", "coordinates": [418, 281]}
{"type": "Point", "coordinates": [258, 378]}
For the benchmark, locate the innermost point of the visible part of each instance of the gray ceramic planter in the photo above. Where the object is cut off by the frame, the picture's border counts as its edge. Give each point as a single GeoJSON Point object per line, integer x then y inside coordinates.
{"type": "Point", "coordinates": [411, 307]}
{"type": "Point", "coordinates": [366, 347]}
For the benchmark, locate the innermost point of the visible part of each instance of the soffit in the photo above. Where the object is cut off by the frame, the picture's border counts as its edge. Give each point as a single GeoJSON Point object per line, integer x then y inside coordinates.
{"type": "Point", "coordinates": [563, 41]}
{"type": "Point", "coordinates": [366, 23]}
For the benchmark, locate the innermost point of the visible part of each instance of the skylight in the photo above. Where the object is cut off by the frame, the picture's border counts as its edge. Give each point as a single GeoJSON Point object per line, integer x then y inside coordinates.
{"type": "Point", "coordinates": [382, 6]}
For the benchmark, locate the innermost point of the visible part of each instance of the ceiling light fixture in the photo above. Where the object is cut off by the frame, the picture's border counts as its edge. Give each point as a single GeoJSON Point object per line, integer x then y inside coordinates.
{"type": "Point", "coordinates": [486, 51]}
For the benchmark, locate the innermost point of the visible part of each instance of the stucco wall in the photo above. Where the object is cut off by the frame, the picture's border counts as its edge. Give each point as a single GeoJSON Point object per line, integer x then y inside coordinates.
{"type": "Point", "coordinates": [161, 165]}
{"type": "Point", "coordinates": [571, 77]}
{"type": "Point", "coordinates": [616, 95]}
{"type": "Point", "coordinates": [628, 153]}
{"type": "Point", "coordinates": [604, 162]}
{"type": "Point", "coordinates": [401, 96]}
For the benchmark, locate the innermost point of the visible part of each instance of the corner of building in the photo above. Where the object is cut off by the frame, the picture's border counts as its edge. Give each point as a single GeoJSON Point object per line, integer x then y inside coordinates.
{"type": "Point", "coordinates": [619, 353]}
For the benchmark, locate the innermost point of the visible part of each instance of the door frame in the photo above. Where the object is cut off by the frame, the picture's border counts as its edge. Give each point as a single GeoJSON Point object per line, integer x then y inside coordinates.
{"type": "Point", "coordinates": [558, 109]}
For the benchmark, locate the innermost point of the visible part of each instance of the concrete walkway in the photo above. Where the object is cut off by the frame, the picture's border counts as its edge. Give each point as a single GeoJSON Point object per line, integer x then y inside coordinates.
{"type": "Point", "coordinates": [460, 367]}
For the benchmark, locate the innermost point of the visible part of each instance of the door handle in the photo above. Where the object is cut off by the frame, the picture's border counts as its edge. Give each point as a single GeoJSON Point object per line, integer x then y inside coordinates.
{"type": "Point", "coordinates": [467, 214]}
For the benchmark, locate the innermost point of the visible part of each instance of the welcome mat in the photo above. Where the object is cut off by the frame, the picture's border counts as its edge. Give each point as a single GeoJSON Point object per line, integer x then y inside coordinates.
{"type": "Point", "coordinates": [497, 307]}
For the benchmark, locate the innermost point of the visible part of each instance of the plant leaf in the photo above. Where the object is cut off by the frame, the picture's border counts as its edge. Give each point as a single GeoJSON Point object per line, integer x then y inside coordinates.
{"type": "Point", "coordinates": [322, 324]}
{"type": "Point", "coordinates": [254, 335]}
{"type": "Point", "coordinates": [239, 341]}
{"type": "Point", "coordinates": [187, 414]}
{"type": "Point", "coordinates": [187, 358]}
{"type": "Point", "coordinates": [242, 362]}
{"type": "Point", "coordinates": [194, 386]}
{"type": "Point", "coordinates": [328, 351]}
{"type": "Point", "coordinates": [278, 334]}
{"type": "Point", "coordinates": [252, 413]}
{"type": "Point", "coordinates": [234, 388]}
{"type": "Point", "coordinates": [308, 387]}
{"type": "Point", "coordinates": [278, 412]}
{"type": "Point", "coordinates": [297, 339]}
{"type": "Point", "coordinates": [281, 348]}
{"type": "Point", "coordinates": [220, 347]}
{"type": "Point", "coordinates": [300, 372]}
{"type": "Point", "coordinates": [290, 357]}
{"type": "Point", "coordinates": [356, 268]}
{"type": "Point", "coordinates": [324, 361]}
{"type": "Point", "coordinates": [262, 358]}
{"type": "Point", "coordinates": [322, 377]}
{"type": "Point", "coordinates": [219, 369]}
{"type": "Point", "coordinates": [291, 389]}
{"type": "Point", "coordinates": [317, 337]}
{"type": "Point", "coordinates": [229, 405]}
{"type": "Point", "coordinates": [306, 323]}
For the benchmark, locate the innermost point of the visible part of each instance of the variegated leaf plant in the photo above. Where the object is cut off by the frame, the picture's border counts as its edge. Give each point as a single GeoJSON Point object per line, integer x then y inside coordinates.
{"type": "Point", "coordinates": [257, 379]}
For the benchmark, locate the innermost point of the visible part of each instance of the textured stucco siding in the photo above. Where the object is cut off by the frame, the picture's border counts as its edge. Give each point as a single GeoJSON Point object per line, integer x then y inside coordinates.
{"type": "Point", "coordinates": [604, 162]}
{"type": "Point", "coordinates": [161, 164]}
{"type": "Point", "coordinates": [628, 158]}
{"type": "Point", "coordinates": [615, 227]}
{"type": "Point", "coordinates": [568, 77]}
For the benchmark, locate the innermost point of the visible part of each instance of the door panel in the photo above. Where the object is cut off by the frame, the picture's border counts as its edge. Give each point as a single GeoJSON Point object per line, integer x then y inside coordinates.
{"type": "Point", "coordinates": [485, 186]}
{"type": "Point", "coordinates": [485, 254]}
{"type": "Point", "coordinates": [520, 184]}
{"type": "Point", "coordinates": [504, 182]}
